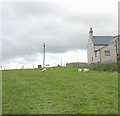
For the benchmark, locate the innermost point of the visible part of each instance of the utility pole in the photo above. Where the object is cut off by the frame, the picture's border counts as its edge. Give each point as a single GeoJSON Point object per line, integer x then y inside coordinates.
{"type": "Point", "coordinates": [44, 55]}
{"type": "Point", "coordinates": [61, 62]}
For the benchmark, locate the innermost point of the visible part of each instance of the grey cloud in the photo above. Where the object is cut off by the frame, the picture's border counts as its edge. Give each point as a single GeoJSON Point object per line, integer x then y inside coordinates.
{"type": "Point", "coordinates": [91, 18]}
{"type": "Point", "coordinates": [27, 25]}
{"type": "Point", "coordinates": [22, 9]}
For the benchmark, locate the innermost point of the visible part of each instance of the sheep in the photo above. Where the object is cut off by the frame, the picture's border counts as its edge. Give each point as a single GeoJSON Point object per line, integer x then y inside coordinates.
{"type": "Point", "coordinates": [79, 69]}
{"type": "Point", "coordinates": [85, 70]}
{"type": "Point", "coordinates": [44, 69]}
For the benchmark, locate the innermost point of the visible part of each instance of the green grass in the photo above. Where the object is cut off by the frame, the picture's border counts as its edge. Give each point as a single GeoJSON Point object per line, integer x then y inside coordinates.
{"type": "Point", "coordinates": [59, 91]}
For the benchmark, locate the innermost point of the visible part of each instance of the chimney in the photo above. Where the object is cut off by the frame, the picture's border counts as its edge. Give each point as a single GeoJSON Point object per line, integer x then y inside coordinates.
{"type": "Point", "coordinates": [90, 33]}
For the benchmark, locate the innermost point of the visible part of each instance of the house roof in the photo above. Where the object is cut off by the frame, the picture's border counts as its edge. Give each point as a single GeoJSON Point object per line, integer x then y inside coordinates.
{"type": "Point", "coordinates": [113, 40]}
{"type": "Point", "coordinates": [102, 40]}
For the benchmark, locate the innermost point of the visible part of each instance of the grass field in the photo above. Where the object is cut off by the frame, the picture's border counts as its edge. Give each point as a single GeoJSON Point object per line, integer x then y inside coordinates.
{"type": "Point", "coordinates": [59, 91]}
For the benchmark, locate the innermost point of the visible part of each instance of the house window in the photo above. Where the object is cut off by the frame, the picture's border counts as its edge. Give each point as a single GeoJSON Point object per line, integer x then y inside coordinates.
{"type": "Point", "coordinates": [107, 53]}
{"type": "Point", "coordinates": [95, 54]}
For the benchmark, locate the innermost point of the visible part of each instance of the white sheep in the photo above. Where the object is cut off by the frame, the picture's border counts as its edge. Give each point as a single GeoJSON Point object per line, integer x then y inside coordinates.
{"type": "Point", "coordinates": [44, 69]}
{"type": "Point", "coordinates": [79, 69]}
{"type": "Point", "coordinates": [85, 70]}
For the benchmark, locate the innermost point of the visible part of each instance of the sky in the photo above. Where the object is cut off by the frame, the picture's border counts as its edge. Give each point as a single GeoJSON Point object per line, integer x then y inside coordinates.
{"type": "Point", "coordinates": [62, 24]}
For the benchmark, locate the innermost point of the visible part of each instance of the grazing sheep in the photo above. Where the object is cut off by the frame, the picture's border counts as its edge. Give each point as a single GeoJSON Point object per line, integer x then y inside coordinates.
{"type": "Point", "coordinates": [85, 70]}
{"type": "Point", "coordinates": [44, 69]}
{"type": "Point", "coordinates": [79, 69]}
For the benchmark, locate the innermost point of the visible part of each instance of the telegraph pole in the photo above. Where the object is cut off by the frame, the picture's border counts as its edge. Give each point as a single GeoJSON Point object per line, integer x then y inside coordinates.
{"type": "Point", "coordinates": [61, 62]}
{"type": "Point", "coordinates": [44, 55]}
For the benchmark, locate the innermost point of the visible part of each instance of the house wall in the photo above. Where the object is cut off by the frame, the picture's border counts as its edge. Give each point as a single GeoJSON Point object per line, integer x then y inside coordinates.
{"type": "Point", "coordinates": [97, 58]}
{"type": "Point", "coordinates": [112, 57]}
{"type": "Point", "coordinates": [90, 50]}
{"type": "Point", "coordinates": [91, 54]}
{"type": "Point", "coordinates": [98, 47]}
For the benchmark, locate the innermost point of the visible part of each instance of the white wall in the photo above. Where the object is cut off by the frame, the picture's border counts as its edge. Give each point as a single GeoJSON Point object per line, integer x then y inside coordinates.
{"type": "Point", "coordinates": [98, 47]}
{"type": "Point", "coordinates": [97, 58]}
{"type": "Point", "coordinates": [91, 53]}
{"type": "Point", "coordinates": [103, 59]}
{"type": "Point", "coordinates": [112, 57]}
{"type": "Point", "coordinates": [90, 50]}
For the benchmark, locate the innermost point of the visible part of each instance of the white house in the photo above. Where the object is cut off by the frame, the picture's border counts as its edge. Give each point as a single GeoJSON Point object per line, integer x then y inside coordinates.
{"type": "Point", "coordinates": [102, 49]}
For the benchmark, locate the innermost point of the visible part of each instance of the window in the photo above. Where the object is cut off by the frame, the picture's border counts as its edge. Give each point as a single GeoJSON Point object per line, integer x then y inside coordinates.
{"type": "Point", "coordinates": [107, 53]}
{"type": "Point", "coordinates": [95, 54]}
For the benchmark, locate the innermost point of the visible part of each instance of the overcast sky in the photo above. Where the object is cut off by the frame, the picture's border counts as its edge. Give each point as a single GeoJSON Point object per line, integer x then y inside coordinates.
{"type": "Point", "coordinates": [62, 24]}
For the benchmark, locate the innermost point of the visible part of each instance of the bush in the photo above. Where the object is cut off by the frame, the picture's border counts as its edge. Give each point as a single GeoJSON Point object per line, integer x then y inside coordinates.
{"type": "Point", "coordinates": [105, 67]}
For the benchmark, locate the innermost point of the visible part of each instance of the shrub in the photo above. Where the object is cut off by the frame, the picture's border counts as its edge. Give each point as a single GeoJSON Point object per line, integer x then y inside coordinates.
{"type": "Point", "coordinates": [105, 67]}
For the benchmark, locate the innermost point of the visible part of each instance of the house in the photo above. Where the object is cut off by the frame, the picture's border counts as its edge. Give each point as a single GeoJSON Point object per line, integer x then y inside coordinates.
{"type": "Point", "coordinates": [102, 49]}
